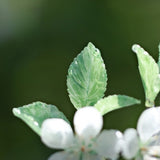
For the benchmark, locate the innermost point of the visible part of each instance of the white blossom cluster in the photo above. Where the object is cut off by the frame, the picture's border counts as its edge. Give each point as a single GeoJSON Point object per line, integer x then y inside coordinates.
{"type": "Point", "coordinates": [88, 143]}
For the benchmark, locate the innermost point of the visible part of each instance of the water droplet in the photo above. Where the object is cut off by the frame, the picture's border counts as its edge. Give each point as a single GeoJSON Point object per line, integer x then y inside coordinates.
{"type": "Point", "coordinates": [135, 47]}
{"type": "Point", "coordinates": [145, 53]}
{"type": "Point", "coordinates": [119, 134]}
{"type": "Point", "coordinates": [35, 123]}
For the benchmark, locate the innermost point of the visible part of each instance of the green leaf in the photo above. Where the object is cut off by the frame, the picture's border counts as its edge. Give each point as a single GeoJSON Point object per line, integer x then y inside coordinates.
{"type": "Point", "coordinates": [149, 72]}
{"type": "Point", "coordinates": [34, 114]}
{"type": "Point", "coordinates": [113, 102]}
{"type": "Point", "coordinates": [159, 56]}
{"type": "Point", "coordinates": [87, 78]}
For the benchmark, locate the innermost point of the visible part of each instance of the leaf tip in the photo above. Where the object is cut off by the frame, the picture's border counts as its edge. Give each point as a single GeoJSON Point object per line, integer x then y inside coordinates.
{"type": "Point", "coordinates": [138, 101]}
{"type": "Point", "coordinates": [16, 111]}
{"type": "Point", "coordinates": [90, 44]}
{"type": "Point", "coordinates": [138, 49]}
{"type": "Point", "coordinates": [135, 47]}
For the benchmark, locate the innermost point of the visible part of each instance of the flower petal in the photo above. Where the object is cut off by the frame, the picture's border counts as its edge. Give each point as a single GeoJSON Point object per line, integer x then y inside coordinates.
{"type": "Point", "coordinates": [154, 151]}
{"type": "Point", "coordinates": [155, 140]}
{"type": "Point", "coordinates": [130, 145]}
{"type": "Point", "coordinates": [56, 133]}
{"type": "Point", "coordinates": [87, 122]}
{"type": "Point", "coordinates": [88, 156]}
{"type": "Point", "coordinates": [109, 143]}
{"type": "Point", "coordinates": [64, 156]}
{"type": "Point", "coordinates": [149, 123]}
{"type": "Point", "coordinates": [147, 157]}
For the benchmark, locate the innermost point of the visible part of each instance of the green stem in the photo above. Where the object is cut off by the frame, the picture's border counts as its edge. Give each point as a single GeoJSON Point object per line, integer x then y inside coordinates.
{"type": "Point", "coordinates": [81, 156]}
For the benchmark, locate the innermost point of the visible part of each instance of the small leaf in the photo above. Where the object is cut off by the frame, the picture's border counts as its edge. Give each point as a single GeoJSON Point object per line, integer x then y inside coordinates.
{"type": "Point", "coordinates": [34, 114]}
{"type": "Point", "coordinates": [113, 102]}
{"type": "Point", "coordinates": [149, 72]}
{"type": "Point", "coordinates": [87, 78]}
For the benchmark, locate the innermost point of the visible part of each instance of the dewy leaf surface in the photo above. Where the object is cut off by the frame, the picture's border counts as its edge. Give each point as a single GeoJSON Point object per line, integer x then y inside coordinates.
{"type": "Point", "coordinates": [149, 72]}
{"type": "Point", "coordinates": [87, 78]}
{"type": "Point", "coordinates": [34, 114]}
{"type": "Point", "coordinates": [113, 102]}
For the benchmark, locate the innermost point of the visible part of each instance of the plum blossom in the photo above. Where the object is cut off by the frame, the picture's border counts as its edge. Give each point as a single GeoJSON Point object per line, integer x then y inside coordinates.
{"type": "Point", "coordinates": [87, 143]}
{"type": "Point", "coordinates": [143, 143]}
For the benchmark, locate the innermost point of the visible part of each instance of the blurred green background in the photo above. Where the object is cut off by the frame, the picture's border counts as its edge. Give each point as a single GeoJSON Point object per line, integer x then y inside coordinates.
{"type": "Point", "coordinates": [38, 41]}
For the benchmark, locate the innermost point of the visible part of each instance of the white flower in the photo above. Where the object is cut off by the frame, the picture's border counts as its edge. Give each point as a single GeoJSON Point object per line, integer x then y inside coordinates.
{"type": "Point", "coordinates": [86, 144]}
{"type": "Point", "coordinates": [146, 140]}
